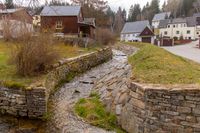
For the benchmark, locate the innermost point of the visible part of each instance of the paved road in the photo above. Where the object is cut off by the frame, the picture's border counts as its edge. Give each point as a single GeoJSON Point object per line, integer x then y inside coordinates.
{"type": "Point", "coordinates": [189, 51]}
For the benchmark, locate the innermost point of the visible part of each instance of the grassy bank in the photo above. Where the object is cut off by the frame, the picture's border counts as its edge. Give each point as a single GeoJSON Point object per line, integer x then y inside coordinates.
{"type": "Point", "coordinates": [8, 73]}
{"type": "Point", "coordinates": [152, 64]}
{"type": "Point", "coordinates": [93, 111]}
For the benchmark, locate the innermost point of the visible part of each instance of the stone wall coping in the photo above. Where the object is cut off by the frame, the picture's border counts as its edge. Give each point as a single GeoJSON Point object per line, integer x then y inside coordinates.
{"type": "Point", "coordinates": [67, 60]}
{"type": "Point", "coordinates": [170, 88]}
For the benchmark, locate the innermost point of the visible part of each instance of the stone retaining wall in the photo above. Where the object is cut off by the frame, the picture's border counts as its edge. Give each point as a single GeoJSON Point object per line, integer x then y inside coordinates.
{"type": "Point", "coordinates": [158, 109]}
{"type": "Point", "coordinates": [67, 69]}
{"type": "Point", "coordinates": [32, 101]}
{"type": "Point", "coordinates": [142, 108]}
{"type": "Point", "coordinates": [20, 102]}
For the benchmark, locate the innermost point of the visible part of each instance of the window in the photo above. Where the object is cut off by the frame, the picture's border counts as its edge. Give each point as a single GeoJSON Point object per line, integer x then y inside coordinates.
{"type": "Point", "coordinates": [174, 26]}
{"type": "Point", "coordinates": [168, 26]}
{"type": "Point", "coordinates": [165, 32]}
{"type": "Point", "coordinates": [59, 25]}
{"type": "Point", "coordinates": [188, 31]}
{"type": "Point", "coordinates": [177, 32]}
{"type": "Point", "coordinates": [189, 38]}
{"type": "Point", "coordinates": [128, 35]}
{"type": "Point", "coordinates": [197, 33]}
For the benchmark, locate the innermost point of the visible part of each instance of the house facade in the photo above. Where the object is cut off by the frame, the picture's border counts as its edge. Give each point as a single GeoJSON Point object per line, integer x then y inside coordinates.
{"type": "Point", "coordinates": [137, 32]}
{"type": "Point", "coordinates": [15, 21]}
{"type": "Point", "coordinates": [66, 19]}
{"type": "Point", "coordinates": [157, 19]}
{"type": "Point", "coordinates": [179, 28]}
{"type": "Point", "coordinates": [18, 14]}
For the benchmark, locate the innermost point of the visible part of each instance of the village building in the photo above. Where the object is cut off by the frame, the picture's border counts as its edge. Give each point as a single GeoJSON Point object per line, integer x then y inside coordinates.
{"type": "Point", "coordinates": [156, 21]}
{"type": "Point", "coordinates": [16, 21]}
{"type": "Point", "coordinates": [138, 31]}
{"type": "Point", "coordinates": [68, 20]}
{"type": "Point", "coordinates": [18, 14]}
{"type": "Point", "coordinates": [179, 28]}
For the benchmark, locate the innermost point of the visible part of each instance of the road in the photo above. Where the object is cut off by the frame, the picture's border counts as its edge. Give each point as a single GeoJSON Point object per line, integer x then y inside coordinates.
{"type": "Point", "coordinates": [189, 51]}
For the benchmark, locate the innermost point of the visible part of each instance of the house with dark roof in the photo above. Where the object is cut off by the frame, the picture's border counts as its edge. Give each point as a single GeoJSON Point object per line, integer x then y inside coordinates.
{"type": "Point", "coordinates": [179, 28]}
{"type": "Point", "coordinates": [138, 31]}
{"type": "Point", "coordinates": [158, 17]}
{"type": "Point", "coordinates": [156, 20]}
{"type": "Point", "coordinates": [68, 20]}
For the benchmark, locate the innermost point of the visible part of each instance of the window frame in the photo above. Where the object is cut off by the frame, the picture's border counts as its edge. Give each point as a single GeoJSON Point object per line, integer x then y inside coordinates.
{"type": "Point", "coordinates": [59, 24]}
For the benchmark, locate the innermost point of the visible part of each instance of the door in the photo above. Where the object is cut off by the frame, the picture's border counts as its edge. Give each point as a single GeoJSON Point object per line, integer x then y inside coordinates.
{"type": "Point", "coordinates": [146, 39]}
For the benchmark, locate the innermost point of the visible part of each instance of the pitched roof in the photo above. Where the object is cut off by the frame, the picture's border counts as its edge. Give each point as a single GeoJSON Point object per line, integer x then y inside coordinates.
{"type": "Point", "coordinates": [90, 21]}
{"type": "Point", "coordinates": [161, 16]}
{"type": "Point", "coordinates": [178, 20]}
{"type": "Point", "coordinates": [135, 27]}
{"type": "Point", "coordinates": [61, 11]}
{"type": "Point", "coordinates": [164, 23]}
{"type": "Point", "coordinates": [10, 10]}
{"type": "Point", "coordinates": [190, 21]}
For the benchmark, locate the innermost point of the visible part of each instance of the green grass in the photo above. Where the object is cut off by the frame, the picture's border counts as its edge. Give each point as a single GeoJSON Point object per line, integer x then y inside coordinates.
{"type": "Point", "coordinates": [8, 74]}
{"type": "Point", "coordinates": [93, 111]}
{"type": "Point", "coordinates": [152, 64]}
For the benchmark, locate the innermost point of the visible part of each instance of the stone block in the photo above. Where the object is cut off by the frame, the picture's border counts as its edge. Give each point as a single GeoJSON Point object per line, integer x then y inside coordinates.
{"type": "Point", "coordinates": [184, 109]}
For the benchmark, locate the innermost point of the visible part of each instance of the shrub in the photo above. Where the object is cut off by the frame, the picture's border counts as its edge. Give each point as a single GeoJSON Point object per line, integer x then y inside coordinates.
{"type": "Point", "coordinates": [105, 36]}
{"type": "Point", "coordinates": [31, 57]}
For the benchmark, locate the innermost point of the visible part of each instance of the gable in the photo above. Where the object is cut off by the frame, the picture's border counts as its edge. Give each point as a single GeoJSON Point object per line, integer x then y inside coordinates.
{"type": "Point", "coordinates": [147, 32]}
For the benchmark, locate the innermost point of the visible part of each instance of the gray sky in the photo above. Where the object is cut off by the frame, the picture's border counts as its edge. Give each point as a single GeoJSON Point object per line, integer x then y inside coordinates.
{"type": "Point", "coordinates": [114, 4]}
{"type": "Point", "coordinates": [127, 3]}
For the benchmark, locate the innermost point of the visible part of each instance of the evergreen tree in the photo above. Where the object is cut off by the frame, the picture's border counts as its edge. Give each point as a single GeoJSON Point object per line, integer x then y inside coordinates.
{"type": "Point", "coordinates": [134, 13]}
{"type": "Point", "coordinates": [153, 9]}
{"type": "Point", "coordinates": [9, 4]}
{"type": "Point", "coordinates": [124, 15]}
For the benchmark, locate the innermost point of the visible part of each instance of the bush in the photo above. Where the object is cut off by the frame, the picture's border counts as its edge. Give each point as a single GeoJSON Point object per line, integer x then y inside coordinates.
{"type": "Point", "coordinates": [105, 36]}
{"type": "Point", "coordinates": [31, 57]}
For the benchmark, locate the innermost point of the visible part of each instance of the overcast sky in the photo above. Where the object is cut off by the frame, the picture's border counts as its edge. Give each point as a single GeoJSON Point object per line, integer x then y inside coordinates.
{"type": "Point", "coordinates": [114, 4]}
{"type": "Point", "coordinates": [127, 3]}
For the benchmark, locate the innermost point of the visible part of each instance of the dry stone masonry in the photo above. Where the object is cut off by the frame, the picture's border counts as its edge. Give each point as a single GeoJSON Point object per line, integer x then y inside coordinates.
{"type": "Point", "coordinates": [142, 108]}
{"type": "Point", "coordinates": [32, 101]}
{"type": "Point", "coordinates": [20, 102]}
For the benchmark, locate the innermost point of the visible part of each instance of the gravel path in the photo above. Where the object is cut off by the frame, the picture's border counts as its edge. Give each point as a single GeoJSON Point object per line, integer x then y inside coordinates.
{"type": "Point", "coordinates": [189, 51]}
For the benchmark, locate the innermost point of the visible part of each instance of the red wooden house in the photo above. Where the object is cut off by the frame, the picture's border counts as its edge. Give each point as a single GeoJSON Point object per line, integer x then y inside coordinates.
{"type": "Point", "coordinates": [68, 20]}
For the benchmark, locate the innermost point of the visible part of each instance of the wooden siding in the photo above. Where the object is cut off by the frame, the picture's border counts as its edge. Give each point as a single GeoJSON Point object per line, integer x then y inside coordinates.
{"type": "Point", "coordinates": [70, 24]}
{"type": "Point", "coordinates": [147, 32]}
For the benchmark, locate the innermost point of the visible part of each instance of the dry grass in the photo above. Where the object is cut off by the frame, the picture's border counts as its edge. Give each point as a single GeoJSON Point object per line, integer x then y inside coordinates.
{"type": "Point", "coordinates": [8, 72]}
{"type": "Point", "coordinates": [152, 64]}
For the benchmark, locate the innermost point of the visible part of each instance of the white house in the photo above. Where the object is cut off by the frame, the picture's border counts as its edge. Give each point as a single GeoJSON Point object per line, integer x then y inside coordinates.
{"type": "Point", "coordinates": [185, 28]}
{"type": "Point", "coordinates": [138, 31]}
{"type": "Point", "coordinates": [158, 17]}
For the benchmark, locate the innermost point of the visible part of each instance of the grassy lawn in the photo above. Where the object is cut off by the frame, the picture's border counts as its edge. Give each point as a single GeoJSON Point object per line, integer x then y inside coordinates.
{"type": "Point", "coordinates": [8, 74]}
{"type": "Point", "coordinates": [93, 111]}
{"type": "Point", "coordinates": [152, 64]}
